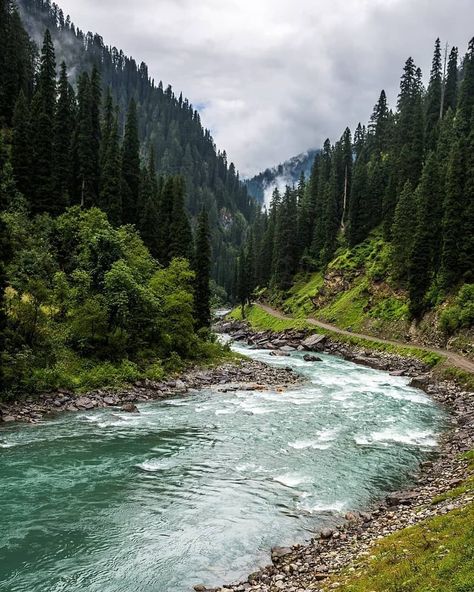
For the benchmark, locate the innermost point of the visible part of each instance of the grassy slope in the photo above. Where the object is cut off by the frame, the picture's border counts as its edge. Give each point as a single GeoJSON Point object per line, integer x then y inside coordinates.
{"type": "Point", "coordinates": [261, 320]}
{"type": "Point", "coordinates": [436, 555]}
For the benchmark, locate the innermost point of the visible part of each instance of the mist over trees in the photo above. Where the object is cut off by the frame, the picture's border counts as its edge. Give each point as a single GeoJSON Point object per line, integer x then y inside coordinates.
{"type": "Point", "coordinates": [408, 173]}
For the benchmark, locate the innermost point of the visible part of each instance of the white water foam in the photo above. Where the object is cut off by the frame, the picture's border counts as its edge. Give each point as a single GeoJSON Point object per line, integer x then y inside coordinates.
{"type": "Point", "coordinates": [152, 466]}
{"type": "Point", "coordinates": [320, 507]}
{"type": "Point", "coordinates": [290, 479]}
{"type": "Point", "coordinates": [414, 438]}
{"type": "Point", "coordinates": [304, 444]}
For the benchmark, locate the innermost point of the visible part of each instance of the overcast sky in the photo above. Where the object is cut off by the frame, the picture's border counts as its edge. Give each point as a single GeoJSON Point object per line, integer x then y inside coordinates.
{"type": "Point", "coordinates": [273, 78]}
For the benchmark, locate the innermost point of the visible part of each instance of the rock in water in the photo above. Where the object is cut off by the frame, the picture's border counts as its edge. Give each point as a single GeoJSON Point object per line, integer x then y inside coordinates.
{"type": "Point", "coordinates": [130, 408]}
{"type": "Point", "coordinates": [311, 358]}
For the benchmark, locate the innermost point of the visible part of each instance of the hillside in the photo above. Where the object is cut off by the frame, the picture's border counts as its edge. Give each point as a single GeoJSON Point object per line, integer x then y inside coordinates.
{"type": "Point", "coordinates": [357, 292]}
{"type": "Point", "coordinates": [379, 239]}
{"type": "Point", "coordinates": [261, 186]}
{"type": "Point", "coordinates": [167, 124]}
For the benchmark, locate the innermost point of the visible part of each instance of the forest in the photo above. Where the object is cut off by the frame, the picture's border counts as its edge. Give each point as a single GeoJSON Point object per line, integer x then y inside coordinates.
{"type": "Point", "coordinates": [105, 275]}
{"type": "Point", "coordinates": [407, 178]}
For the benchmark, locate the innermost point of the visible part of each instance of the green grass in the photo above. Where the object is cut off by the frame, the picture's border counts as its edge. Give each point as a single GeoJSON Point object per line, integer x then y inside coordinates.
{"type": "Point", "coordinates": [261, 320]}
{"type": "Point", "coordinates": [81, 375]}
{"type": "Point", "coordinates": [436, 555]}
{"type": "Point", "coordinates": [461, 377]}
{"type": "Point", "coordinates": [299, 303]}
{"type": "Point", "coordinates": [433, 556]}
{"type": "Point", "coordinates": [348, 308]}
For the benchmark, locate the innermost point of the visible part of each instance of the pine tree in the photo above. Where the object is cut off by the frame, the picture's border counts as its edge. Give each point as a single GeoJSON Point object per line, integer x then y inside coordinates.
{"type": "Point", "coordinates": [165, 217]}
{"type": "Point", "coordinates": [285, 250]}
{"type": "Point", "coordinates": [110, 183]}
{"type": "Point", "coordinates": [202, 269]}
{"type": "Point", "coordinates": [403, 229]}
{"type": "Point", "coordinates": [62, 142]}
{"type": "Point", "coordinates": [181, 238]}
{"type": "Point", "coordinates": [131, 166]}
{"type": "Point", "coordinates": [451, 85]}
{"type": "Point", "coordinates": [149, 223]}
{"type": "Point", "coordinates": [378, 126]}
{"type": "Point", "coordinates": [358, 207]}
{"type": "Point", "coordinates": [433, 99]}
{"type": "Point", "coordinates": [424, 254]}
{"type": "Point", "coordinates": [43, 110]}
{"type": "Point", "coordinates": [83, 188]}
{"type": "Point", "coordinates": [21, 145]}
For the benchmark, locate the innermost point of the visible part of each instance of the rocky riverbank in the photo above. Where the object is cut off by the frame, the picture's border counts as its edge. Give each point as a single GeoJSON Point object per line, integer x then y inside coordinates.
{"type": "Point", "coordinates": [242, 374]}
{"type": "Point", "coordinates": [316, 566]}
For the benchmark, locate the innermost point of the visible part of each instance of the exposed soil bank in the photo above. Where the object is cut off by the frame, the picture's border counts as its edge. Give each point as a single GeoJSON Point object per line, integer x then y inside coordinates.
{"type": "Point", "coordinates": [304, 568]}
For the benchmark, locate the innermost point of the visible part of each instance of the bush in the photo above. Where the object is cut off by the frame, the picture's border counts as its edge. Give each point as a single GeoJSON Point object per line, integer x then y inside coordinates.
{"type": "Point", "coordinates": [459, 315]}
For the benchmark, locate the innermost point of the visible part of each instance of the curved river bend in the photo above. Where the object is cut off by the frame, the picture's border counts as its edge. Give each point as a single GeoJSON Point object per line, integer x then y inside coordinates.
{"type": "Point", "coordinates": [197, 489]}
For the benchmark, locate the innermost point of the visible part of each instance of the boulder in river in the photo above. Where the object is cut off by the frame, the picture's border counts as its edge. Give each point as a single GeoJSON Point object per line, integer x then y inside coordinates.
{"type": "Point", "coordinates": [311, 358]}
{"type": "Point", "coordinates": [129, 408]}
{"type": "Point", "coordinates": [314, 342]}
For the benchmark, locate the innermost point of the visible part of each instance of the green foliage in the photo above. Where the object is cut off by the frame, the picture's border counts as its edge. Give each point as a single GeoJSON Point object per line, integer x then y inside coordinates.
{"type": "Point", "coordinates": [86, 299]}
{"type": "Point", "coordinates": [460, 314]}
{"type": "Point", "coordinates": [299, 302]}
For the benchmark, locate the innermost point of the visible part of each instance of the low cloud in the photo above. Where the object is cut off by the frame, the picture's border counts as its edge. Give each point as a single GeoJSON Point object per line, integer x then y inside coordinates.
{"type": "Point", "coordinates": [275, 77]}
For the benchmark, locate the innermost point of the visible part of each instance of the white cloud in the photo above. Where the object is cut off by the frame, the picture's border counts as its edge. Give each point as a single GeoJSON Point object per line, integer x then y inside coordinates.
{"type": "Point", "coordinates": [277, 76]}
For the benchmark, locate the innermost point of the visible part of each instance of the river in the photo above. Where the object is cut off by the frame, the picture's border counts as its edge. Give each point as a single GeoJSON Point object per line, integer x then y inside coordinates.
{"type": "Point", "coordinates": [198, 489]}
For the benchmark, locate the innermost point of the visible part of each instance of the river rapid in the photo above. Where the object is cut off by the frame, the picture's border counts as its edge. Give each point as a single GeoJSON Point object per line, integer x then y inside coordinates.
{"type": "Point", "coordinates": [198, 489]}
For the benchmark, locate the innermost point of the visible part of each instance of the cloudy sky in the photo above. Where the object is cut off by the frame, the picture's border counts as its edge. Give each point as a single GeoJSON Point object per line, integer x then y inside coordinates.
{"type": "Point", "coordinates": [275, 77]}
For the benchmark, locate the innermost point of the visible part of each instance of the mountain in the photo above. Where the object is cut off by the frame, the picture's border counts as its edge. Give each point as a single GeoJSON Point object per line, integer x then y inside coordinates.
{"type": "Point", "coordinates": [168, 124]}
{"type": "Point", "coordinates": [384, 225]}
{"type": "Point", "coordinates": [289, 172]}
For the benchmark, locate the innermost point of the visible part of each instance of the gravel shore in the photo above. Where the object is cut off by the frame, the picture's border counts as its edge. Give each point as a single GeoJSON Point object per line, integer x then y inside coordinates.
{"type": "Point", "coordinates": [306, 567]}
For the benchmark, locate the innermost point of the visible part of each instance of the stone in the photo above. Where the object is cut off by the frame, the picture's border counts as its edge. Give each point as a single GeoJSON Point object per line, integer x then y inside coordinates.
{"type": "Point", "coordinates": [85, 403]}
{"type": "Point", "coordinates": [314, 341]}
{"type": "Point", "coordinates": [287, 348]}
{"type": "Point", "coordinates": [311, 358]}
{"type": "Point", "coordinates": [278, 552]}
{"type": "Point", "coordinates": [129, 408]}
{"type": "Point", "coordinates": [421, 381]}
{"type": "Point", "coordinates": [401, 498]}
{"type": "Point", "coordinates": [327, 533]}
{"type": "Point", "coordinates": [8, 418]}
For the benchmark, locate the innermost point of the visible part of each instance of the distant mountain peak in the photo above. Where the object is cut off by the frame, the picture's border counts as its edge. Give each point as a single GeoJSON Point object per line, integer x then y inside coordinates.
{"type": "Point", "coordinates": [261, 186]}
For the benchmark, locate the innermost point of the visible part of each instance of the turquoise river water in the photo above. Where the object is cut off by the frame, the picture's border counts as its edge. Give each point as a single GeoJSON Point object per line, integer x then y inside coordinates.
{"type": "Point", "coordinates": [198, 489]}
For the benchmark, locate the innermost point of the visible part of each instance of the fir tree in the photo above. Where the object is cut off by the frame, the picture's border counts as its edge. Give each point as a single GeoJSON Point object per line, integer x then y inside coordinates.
{"type": "Point", "coordinates": [181, 238]}
{"type": "Point", "coordinates": [424, 254]}
{"type": "Point", "coordinates": [403, 229]}
{"type": "Point", "coordinates": [433, 99]}
{"type": "Point", "coordinates": [62, 142]}
{"type": "Point", "coordinates": [43, 110]}
{"type": "Point", "coordinates": [110, 182]}
{"type": "Point", "coordinates": [131, 166]}
{"type": "Point", "coordinates": [451, 84]}
{"type": "Point", "coordinates": [202, 269]}
{"type": "Point", "coordinates": [22, 156]}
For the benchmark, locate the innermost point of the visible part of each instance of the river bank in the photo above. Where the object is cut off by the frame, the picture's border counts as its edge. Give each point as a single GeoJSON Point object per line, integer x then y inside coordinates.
{"type": "Point", "coordinates": [332, 558]}
{"type": "Point", "coordinates": [245, 373]}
